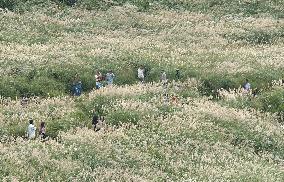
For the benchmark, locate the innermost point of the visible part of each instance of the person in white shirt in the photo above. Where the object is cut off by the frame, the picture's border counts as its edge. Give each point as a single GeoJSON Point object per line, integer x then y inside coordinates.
{"type": "Point", "coordinates": [140, 72]}
{"type": "Point", "coordinates": [247, 86]}
{"type": "Point", "coordinates": [163, 78]}
{"type": "Point", "coordinates": [31, 130]}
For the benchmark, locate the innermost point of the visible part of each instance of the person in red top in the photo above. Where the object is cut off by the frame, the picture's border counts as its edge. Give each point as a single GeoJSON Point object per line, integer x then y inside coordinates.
{"type": "Point", "coordinates": [98, 78]}
{"type": "Point", "coordinates": [42, 131]}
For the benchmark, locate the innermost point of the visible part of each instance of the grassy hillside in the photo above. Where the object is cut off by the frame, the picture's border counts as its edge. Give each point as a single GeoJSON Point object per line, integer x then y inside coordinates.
{"type": "Point", "coordinates": [49, 44]}
{"type": "Point", "coordinates": [211, 132]}
{"type": "Point", "coordinates": [191, 139]}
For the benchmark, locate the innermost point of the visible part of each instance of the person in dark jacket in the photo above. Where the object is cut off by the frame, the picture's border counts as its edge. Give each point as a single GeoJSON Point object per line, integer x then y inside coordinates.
{"type": "Point", "coordinates": [95, 120]}
{"type": "Point", "coordinates": [98, 122]}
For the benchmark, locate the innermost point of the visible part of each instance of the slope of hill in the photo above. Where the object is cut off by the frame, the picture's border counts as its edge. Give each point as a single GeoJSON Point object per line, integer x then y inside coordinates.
{"type": "Point", "coordinates": [193, 139]}
{"type": "Point", "coordinates": [205, 132]}
{"type": "Point", "coordinates": [36, 45]}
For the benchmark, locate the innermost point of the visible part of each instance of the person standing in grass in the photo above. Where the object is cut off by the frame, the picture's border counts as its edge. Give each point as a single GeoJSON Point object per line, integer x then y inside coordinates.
{"type": "Point", "coordinates": [163, 78]}
{"type": "Point", "coordinates": [42, 131]}
{"type": "Point", "coordinates": [110, 77]}
{"type": "Point", "coordinates": [141, 74]}
{"type": "Point", "coordinates": [31, 130]}
{"type": "Point", "coordinates": [247, 86]}
{"type": "Point", "coordinates": [99, 78]}
{"type": "Point", "coordinates": [177, 74]}
{"type": "Point", "coordinates": [76, 86]}
{"type": "Point", "coordinates": [95, 120]}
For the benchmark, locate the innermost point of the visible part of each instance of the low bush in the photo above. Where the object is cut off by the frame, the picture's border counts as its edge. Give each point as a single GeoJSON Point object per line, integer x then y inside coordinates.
{"type": "Point", "coordinates": [212, 84]}
{"type": "Point", "coordinates": [8, 4]}
{"type": "Point", "coordinates": [221, 7]}
{"type": "Point", "coordinates": [255, 37]}
{"type": "Point", "coordinates": [121, 117]}
{"type": "Point", "coordinates": [273, 102]}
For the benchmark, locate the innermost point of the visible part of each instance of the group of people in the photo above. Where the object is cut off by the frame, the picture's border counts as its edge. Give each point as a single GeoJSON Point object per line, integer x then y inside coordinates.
{"type": "Point", "coordinates": [97, 122]}
{"type": "Point", "coordinates": [77, 87]}
{"type": "Point", "coordinates": [163, 77]}
{"type": "Point", "coordinates": [31, 131]}
{"type": "Point", "coordinates": [109, 77]}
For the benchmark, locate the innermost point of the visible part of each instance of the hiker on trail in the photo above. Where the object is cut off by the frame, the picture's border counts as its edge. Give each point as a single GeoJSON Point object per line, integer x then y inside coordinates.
{"type": "Point", "coordinates": [31, 130]}
{"type": "Point", "coordinates": [110, 77]}
{"type": "Point", "coordinates": [140, 73]}
{"type": "Point", "coordinates": [76, 86]}
{"type": "Point", "coordinates": [95, 120]}
{"type": "Point", "coordinates": [99, 78]}
{"type": "Point", "coordinates": [247, 86]}
{"type": "Point", "coordinates": [177, 74]}
{"type": "Point", "coordinates": [255, 92]}
{"type": "Point", "coordinates": [165, 96]}
{"type": "Point", "coordinates": [24, 101]}
{"type": "Point", "coordinates": [163, 78]}
{"type": "Point", "coordinates": [42, 131]}
{"type": "Point", "coordinates": [71, 2]}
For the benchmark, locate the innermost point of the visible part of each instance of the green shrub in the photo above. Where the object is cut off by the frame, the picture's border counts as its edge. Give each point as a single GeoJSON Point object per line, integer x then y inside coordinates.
{"type": "Point", "coordinates": [273, 101]}
{"type": "Point", "coordinates": [218, 7]}
{"type": "Point", "coordinates": [255, 37]}
{"type": "Point", "coordinates": [44, 86]}
{"type": "Point", "coordinates": [8, 4]}
{"type": "Point", "coordinates": [17, 130]}
{"type": "Point", "coordinates": [125, 76]}
{"type": "Point", "coordinates": [211, 85]}
{"type": "Point", "coordinates": [68, 2]}
{"type": "Point", "coordinates": [53, 128]}
{"type": "Point", "coordinates": [7, 88]}
{"type": "Point", "coordinates": [121, 116]}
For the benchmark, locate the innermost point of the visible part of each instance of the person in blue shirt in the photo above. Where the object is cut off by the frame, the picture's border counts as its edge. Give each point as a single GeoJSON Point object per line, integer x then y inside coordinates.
{"type": "Point", "coordinates": [247, 86]}
{"type": "Point", "coordinates": [110, 77]}
{"type": "Point", "coordinates": [78, 89]}
{"type": "Point", "coordinates": [77, 86]}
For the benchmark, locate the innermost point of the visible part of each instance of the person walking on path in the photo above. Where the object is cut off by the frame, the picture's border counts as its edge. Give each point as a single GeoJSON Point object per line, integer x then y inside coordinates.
{"type": "Point", "coordinates": [31, 130]}
{"type": "Point", "coordinates": [42, 131]}
{"type": "Point", "coordinates": [247, 86]}
{"type": "Point", "coordinates": [76, 86]}
{"type": "Point", "coordinates": [163, 78]}
{"type": "Point", "coordinates": [141, 74]}
{"type": "Point", "coordinates": [98, 78]}
{"type": "Point", "coordinates": [177, 74]}
{"type": "Point", "coordinates": [110, 77]}
{"type": "Point", "coordinates": [95, 120]}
